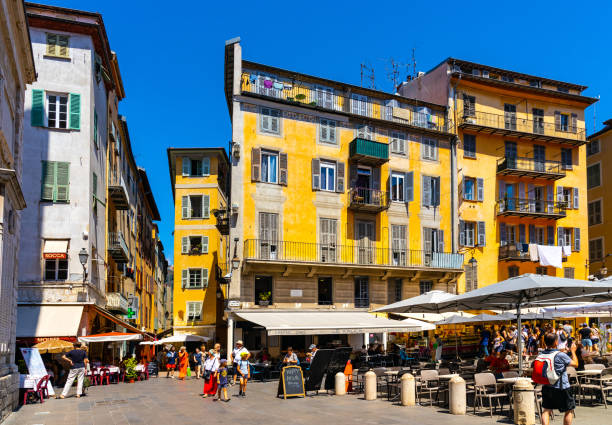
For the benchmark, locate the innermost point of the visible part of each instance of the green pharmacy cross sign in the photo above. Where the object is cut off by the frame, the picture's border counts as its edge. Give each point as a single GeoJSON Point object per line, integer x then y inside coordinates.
{"type": "Point", "coordinates": [130, 313]}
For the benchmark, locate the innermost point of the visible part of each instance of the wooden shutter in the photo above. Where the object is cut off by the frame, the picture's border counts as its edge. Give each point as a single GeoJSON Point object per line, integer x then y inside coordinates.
{"type": "Point", "coordinates": [185, 278]}
{"type": "Point", "coordinates": [324, 135]}
{"type": "Point", "coordinates": [282, 167]}
{"type": "Point", "coordinates": [427, 191]}
{"type": "Point", "coordinates": [256, 164]}
{"type": "Point", "coordinates": [461, 232]}
{"type": "Point", "coordinates": [75, 111]}
{"type": "Point", "coordinates": [435, 193]}
{"type": "Point", "coordinates": [482, 240]}
{"type": "Point", "coordinates": [557, 120]}
{"type": "Point", "coordinates": [204, 278]}
{"type": "Point", "coordinates": [353, 174]}
{"type": "Point", "coordinates": [273, 227]}
{"type": "Point", "coordinates": [274, 120]}
{"type": "Point", "coordinates": [48, 181]}
{"type": "Point", "coordinates": [186, 164]}
{"type": "Point", "coordinates": [502, 190]}
{"type": "Point", "coordinates": [316, 174]}
{"type": "Point", "coordinates": [427, 239]}
{"type": "Point", "coordinates": [440, 240]}
{"type": "Point", "coordinates": [205, 244]}
{"type": "Point", "coordinates": [574, 123]}
{"type": "Point", "coordinates": [265, 119]}
{"type": "Point", "coordinates": [550, 235]}
{"type": "Point", "coordinates": [38, 108]}
{"type": "Point", "coordinates": [502, 234]}
{"type": "Point", "coordinates": [205, 206]}
{"type": "Point", "coordinates": [522, 233]}
{"type": "Point", "coordinates": [185, 207]}
{"type": "Point", "coordinates": [531, 197]}
{"type": "Point", "coordinates": [409, 186]}
{"type": "Point", "coordinates": [560, 238]}
{"type": "Point", "coordinates": [52, 44]}
{"type": "Point", "coordinates": [576, 238]}
{"type": "Point", "coordinates": [332, 131]}
{"type": "Point", "coordinates": [62, 46]}
{"type": "Point", "coordinates": [532, 238]}
{"type": "Point", "coordinates": [185, 245]}
{"type": "Point", "coordinates": [340, 177]}
{"type": "Point", "coordinates": [559, 193]}
{"type": "Point", "coordinates": [550, 197]}
{"type": "Point", "coordinates": [205, 166]}
{"type": "Point", "coordinates": [62, 181]}
{"type": "Point", "coordinates": [576, 198]}
{"type": "Point", "coordinates": [480, 189]}
{"type": "Point", "coordinates": [376, 178]}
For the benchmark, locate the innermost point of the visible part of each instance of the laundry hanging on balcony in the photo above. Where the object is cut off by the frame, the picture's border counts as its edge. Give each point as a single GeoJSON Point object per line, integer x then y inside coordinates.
{"type": "Point", "coordinates": [550, 256]}
{"type": "Point", "coordinates": [567, 250]}
{"type": "Point", "coordinates": [533, 252]}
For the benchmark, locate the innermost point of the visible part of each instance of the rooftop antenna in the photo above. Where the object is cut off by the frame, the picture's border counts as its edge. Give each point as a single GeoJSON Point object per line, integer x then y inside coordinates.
{"type": "Point", "coordinates": [414, 72]}
{"type": "Point", "coordinates": [393, 74]}
{"type": "Point", "coordinates": [369, 74]}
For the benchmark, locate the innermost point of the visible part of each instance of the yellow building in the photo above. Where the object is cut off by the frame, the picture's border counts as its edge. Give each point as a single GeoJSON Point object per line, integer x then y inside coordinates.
{"type": "Point", "coordinates": [200, 179]}
{"type": "Point", "coordinates": [598, 153]}
{"type": "Point", "coordinates": [521, 168]}
{"type": "Point", "coordinates": [340, 200]}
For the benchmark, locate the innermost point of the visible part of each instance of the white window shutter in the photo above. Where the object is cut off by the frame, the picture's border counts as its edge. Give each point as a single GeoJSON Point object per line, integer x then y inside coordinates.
{"type": "Point", "coordinates": [186, 166]}
{"type": "Point", "coordinates": [185, 245]}
{"type": "Point", "coordinates": [185, 206]}
{"type": "Point", "coordinates": [185, 278]}
{"type": "Point", "coordinates": [332, 131]}
{"type": "Point", "coordinates": [204, 274]}
{"type": "Point", "coordinates": [205, 166]}
{"type": "Point", "coordinates": [205, 206]}
{"type": "Point", "coordinates": [205, 244]}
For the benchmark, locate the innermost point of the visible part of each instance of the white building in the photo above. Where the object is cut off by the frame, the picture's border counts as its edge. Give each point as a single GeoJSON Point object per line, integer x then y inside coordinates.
{"type": "Point", "coordinates": [16, 70]}
{"type": "Point", "coordinates": [66, 126]}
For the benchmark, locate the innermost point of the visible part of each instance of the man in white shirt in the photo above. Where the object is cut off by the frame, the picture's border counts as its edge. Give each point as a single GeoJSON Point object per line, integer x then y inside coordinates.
{"type": "Point", "coordinates": [236, 356]}
{"type": "Point", "coordinates": [562, 338]}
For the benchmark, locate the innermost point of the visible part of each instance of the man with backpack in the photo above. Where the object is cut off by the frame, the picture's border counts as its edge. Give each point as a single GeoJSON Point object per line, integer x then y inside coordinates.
{"type": "Point", "coordinates": [550, 370]}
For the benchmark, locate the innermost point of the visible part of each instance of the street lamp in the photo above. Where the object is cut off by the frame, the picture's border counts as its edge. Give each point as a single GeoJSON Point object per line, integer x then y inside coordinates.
{"type": "Point", "coordinates": [83, 256]}
{"type": "Point", "coordinates": [473, 261]}
{"type": "Point", "coordinates": [235, 259]}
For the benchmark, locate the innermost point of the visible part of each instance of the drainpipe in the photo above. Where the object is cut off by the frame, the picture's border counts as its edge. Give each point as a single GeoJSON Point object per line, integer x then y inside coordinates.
{"type": "Point", "coordinates": [453, 173]}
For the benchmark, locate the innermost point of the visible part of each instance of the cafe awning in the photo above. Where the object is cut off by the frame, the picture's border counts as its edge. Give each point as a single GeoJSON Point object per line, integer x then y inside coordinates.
{"type": "Point", "coordinates": [329, 323]}
{"type": "Point", "coordinates": [55, 248]}
{"type": "Point", "coordinates": [48, 320]}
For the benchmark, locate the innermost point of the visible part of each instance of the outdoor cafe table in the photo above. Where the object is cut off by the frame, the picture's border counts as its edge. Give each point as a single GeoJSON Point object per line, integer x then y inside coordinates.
{"type": "Point", "coordinates": [513, 380]}
{"type": "Point", "coordinates": [589, 372]}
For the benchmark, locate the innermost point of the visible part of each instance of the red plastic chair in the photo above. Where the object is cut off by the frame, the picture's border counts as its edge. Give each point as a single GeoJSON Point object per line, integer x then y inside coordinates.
{"type": "Point", "coordinates": [104, 374]}
{"type": "Point", "coordinates": [40, 391]}
{"type": "Point", "coordinates": [93, 378]}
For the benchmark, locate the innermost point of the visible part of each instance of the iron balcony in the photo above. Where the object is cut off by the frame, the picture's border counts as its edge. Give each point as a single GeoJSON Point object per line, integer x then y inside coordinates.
{"type": "Point", "coordinates": [368, 152]}
{"type": "Point", "coordinates": [117, 248]}
{"type": "Point", "coordinates": [368, 200]}
{"type": "Point", "coordinates": [118, 193]}
{"type": "Point", "coordinates": [520, 207]}
{"type": "Point", "coordinates": [362, 255]}
{"type": "Point", "coordinates": [529, 167]}
{"type": "Point", "coordinates": [513, 126]}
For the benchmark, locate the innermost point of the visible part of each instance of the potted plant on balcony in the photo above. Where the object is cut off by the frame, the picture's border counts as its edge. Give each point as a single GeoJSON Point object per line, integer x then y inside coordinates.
{"type": "Point", "coordinates": [264, 298]}
{"type": "Point", "coordinates": [196, 249]}
{"type": "Point", "coordinates": [130, 369]}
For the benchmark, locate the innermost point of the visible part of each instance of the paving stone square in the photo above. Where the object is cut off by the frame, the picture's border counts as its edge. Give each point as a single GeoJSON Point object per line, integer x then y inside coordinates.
{"type": "Point", "coordinates": [169, 401]}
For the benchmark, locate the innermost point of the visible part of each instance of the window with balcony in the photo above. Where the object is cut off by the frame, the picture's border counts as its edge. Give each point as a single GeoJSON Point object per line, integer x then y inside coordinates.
{"type": "Point", "coordinates": [195, 206]}
{"type": "Point", "coordinates": [269, 121]}
{"type": "Point", "coordinates": [595, 212]}
{"type": "Point", "coordinates": [593, 147]}
{"type": "Point", "coordinates": [469, 106]}
{"type": "Point", "coordinates": [328, 176]}
{"type": "Point", "coordinates": [398, 143]}
{"type": "Point", "coordinates": [327, 131]}
{"type": "Point", "coordinates": [325, 292]}
{"type": "Point", "coordinates": [469, 146]}
{"type": "Point", "coordinates": [56, 269]}
{"type": "Point", "coordinates": [564, 122]}
{"type": "Point", "coordinates": [566, 159]}
{"type": "Point", "coordinates": [425, 286]}
{"type": "Point", "coordinates": [328, 237]}
{"type": "Point", "coordinates": [398, 244]}
{"type": "Point", "coordinates": [429, 149]}
{"type": "Point", "coordinates": [538, 120]}
{"type": "Point", "coordinates": [596, 249]}
{"type": "Point", "coordinates": [362, 292]}
{"type": "Point", "coordinates": [593, 175]}
{"type": "Point", "coordinates": [360, 104]}
{"type": "Point", "coordinates": [263, 290]}
{"type": "Point", "coordinates": [194, 311]}
{"type": "Point", "coordinates": [397, 186]}
{"type": "Point", "coordinates": [510, 116]}
{"type": "Point", "coordinates": [268, 235]}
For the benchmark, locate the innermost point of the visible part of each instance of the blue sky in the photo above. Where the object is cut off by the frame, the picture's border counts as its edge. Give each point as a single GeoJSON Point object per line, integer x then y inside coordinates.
{"type": "Point", "coordinates": [171, 58]}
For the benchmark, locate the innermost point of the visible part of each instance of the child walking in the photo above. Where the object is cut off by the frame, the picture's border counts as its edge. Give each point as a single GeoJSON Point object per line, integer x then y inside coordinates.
{"type": "Point", "coordinates": [244, 372]}
{"type": "Point", "coordinates": [222, 381]}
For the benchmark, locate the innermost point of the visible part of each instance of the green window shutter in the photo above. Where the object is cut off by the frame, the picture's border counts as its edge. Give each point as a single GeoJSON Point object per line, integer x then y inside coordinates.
{"type": "Point", "coordinates": [48, 181]}
{"type": "Point", "coordinates": [62, 181]}
{"type": "Point", "coordinates": [204, 275]}
{"type": "Point", "coordinates": [95, 128]}
{"type": "Point", "coordinates": [95, 184]}
{"type": "Point", "coordinates": [185, 245]}
{"type": "Point", "coordinates": [52, 44]}
{"type": "Point", "coordinates": [38, 108]}
{"type": "Point", "coordinates": [205, 206]}
{"type": "Point", "coordinates": [62, 46]}
{"type": "Point", "coordinates": [75, 111]}
{"type": "Point", "coordinates": [205, 244]}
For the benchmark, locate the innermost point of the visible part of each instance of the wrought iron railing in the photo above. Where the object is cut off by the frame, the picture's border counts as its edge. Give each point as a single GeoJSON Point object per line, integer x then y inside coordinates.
{"type": "Point", "coordinates": [116, 241]}
{"type": "Point", "coordinates": [383, 109]}
{"type": "Point", "coordinates": [529, 165]}
{"type": "Point", "coordinates": [363, 197]}
{"type": "Point", "coordinates": [362, 302]}
{"type": "Point", "coordinates": [512, 252]}
{"type": "Point", "coordinates": [530, 206]}
{"type": "Point", "coordinates": [512, 122]}
{"type": "Point", "coordinates": [367, 254]}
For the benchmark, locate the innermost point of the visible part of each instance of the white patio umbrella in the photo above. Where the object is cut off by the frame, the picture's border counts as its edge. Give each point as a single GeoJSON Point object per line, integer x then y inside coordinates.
{"type": "Point", "coordinates": [433, 317]}
{"type": "Point", "coordinates": [604, 307]}
{"type": "Point", "coordinates": [425, 303]}
{"type": "Point", "coordinates": [183, 338]}
{"type": "Point", "coordinates": [529, 290]}
{"type": "Point", "coordinates": [419, 325]}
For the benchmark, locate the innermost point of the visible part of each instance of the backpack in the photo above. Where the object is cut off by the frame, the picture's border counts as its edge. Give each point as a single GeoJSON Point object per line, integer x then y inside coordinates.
{"type": "Point", "coordinates": [562, 336]}
{"type": "Point", "coordinates": [544, 369]}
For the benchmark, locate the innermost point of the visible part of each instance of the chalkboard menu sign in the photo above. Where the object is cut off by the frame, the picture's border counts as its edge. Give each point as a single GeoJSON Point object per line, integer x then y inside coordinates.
{"type": "Point", "coordinates": [291, 383]}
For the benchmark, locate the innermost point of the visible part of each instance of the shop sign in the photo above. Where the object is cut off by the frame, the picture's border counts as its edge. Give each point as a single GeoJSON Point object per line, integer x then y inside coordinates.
{"type": "Point", "coordinates": [55, 255]}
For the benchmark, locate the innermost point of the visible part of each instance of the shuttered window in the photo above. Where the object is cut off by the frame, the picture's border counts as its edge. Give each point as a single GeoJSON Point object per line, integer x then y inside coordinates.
{"type": "Point", "coordinates": [469, 146]}
{"type": "Point", "coordinates": [398, 244]}
{"type": "Point", "coordinates": [194, 310]}
{"type": "Point", "coordinates": [595, 212]}
{"type": "Point", "coordinates": [431, 191]}
{"type": "Point", "coordinates": [398, 142]}
{"type": "Point", "coordinates": [469, 106]}
{"type": "Point", "coordinates": [194, 245]}
{"type": "Point", "coordinates": [57, 111]}
{"type": "Point", "coordinates": [195, 206]}
{"type": "Point", "coordinates": [95, 129]}
{"type": "Point", "coordinates": [596, 249]}
{"type": "Point", "coordinates": [57, 45]}
{"type": "Point", "coordinates": [592, 147]}
{"type": "Point", "coordinates": [327, 131]}
{"type": "Point", "coordinates": [328, 176]}
{"type": "Point", "coordinates": [194, 278]}
{"type": "Point", "coordinates": [55, 181]}
{"type": "Point", "coordinates": [429, 149]}
{"type": "Point", "coordinates": [269, 120]}
{"type": "Point", "coordinates": [328, 238]}
{"type": "Point", "coordinates": [471, 277]}
{"type": "Point", "coordinates": [268, 235]}
{"type": "Point", "coordinates": [397, 186]}
{"type": "Point", "coordinates": [593, 175]}
{"type": "Point", "coordinates": [365, 132]}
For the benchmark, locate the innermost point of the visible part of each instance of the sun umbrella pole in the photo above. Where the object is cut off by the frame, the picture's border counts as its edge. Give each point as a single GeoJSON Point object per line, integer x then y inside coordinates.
{"type": "Point", "coordinates": [519, 339]}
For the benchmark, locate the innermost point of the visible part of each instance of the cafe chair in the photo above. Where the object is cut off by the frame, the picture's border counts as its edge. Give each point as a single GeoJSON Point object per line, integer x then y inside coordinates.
{"type": "Point", "coordinates": [40, 391]}
{"type": "Point", "coordinates": [394, 387]}
{"type": "Point", "coordinates": [486, 387]}
{"type": "Point", "coordinates": [104, 375]}
{"type": "Point", "coordinates": [93, 377]}
{"type": "Point", "coordinates": [510, 374]}
{"type": "Point", "coordinates": [600, 386]}
{"type": "Point", "coordinates": [429, 384]}
{"type": "Point", "coordinates": [256, 372]}
{"type": "Point", "coordinates": [574, 381]}
{"type": "Point", "coordinates": [594, 366]}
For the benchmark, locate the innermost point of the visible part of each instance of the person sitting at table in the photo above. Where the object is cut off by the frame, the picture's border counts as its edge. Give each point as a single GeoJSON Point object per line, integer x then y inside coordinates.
{"type": "Point", "coordinates": [290, 358]}
{"type": "Point", "coordinates": [500, 365]}
{"type": "Point", "coordinates": [263, 356]}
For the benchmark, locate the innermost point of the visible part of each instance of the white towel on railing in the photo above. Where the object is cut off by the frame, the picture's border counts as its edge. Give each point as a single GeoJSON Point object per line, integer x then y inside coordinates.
{"type": "Point", "coordinates": [567, 250]}
{"type": "Point", "coordinates": [550, 256]}
{"type": "Point", "coordinates": [533, 252]}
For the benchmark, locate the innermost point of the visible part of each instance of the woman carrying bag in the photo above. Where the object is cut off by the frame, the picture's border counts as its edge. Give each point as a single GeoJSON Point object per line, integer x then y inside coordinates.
{"type": "Point", "coordinates": [211, 365]}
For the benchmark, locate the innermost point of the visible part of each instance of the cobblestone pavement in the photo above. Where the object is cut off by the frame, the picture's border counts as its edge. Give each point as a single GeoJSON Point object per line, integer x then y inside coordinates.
{"type": "Point", "coordinates": [167, 401]}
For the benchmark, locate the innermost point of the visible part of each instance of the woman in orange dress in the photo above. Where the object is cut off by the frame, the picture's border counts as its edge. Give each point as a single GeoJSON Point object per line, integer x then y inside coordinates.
{"type": "Point", "coordinates": [183, 360]}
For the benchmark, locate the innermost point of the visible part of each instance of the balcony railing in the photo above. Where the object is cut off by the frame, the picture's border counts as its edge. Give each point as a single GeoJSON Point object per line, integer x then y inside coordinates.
{"type": "Point", "coordinates": [530, 208]}
{"type": "Point", "coordinates": [117, 247]}
{"type": "Point", "coordinates": [352, 254]}
{"type": "Point", "coordinates": [510, 124]}
{"type": "Point", "coordinates": [530, 167]}
{"type": "Point", "coordinates": [118, 193]}
{"type": "Point", "coordinates": [370, 200]}
{"type": "Point", "coordinates": [304, 94]}
{"type": "Point", "coordinates": [115, 301]}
